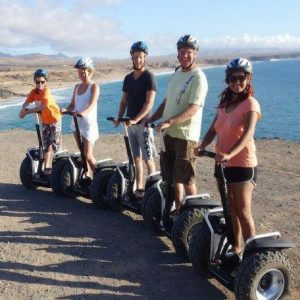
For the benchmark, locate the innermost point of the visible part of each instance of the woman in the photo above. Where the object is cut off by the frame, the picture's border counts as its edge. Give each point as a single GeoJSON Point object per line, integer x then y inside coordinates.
{"type": "Point", "coordinates": [234, 126]}
{"type": "Point", "coordinates": [84, 102]}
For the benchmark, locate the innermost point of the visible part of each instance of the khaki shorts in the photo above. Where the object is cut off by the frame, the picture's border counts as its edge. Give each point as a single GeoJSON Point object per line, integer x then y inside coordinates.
{"type": "Point", "coordinates": [181, 159]}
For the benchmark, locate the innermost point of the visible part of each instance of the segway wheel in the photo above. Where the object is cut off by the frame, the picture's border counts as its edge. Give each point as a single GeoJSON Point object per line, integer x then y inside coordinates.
{"type": "Point", "coordinates": [152, 206]}
{"type": "Point", "coordinates": [183, 229]}
{"type": "Point", "coordinates": [26, 174]}
{"type": "Point", "coordinates": [66, 179]}
{"type": "Point", "coordinates": [114, 191]}
{"type": "Point", "coordinates": [264, 275]}
{"type": "Point", "coordinates": [55, 179]}
{"type": "Point", "coordinates": [199, 249]}
{"type": "Point", "coordinates": [99, 188]}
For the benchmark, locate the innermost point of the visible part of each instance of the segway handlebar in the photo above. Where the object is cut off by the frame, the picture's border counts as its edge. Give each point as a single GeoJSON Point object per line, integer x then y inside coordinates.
{"type": "Point", "coordinates": [125, 119]}
{"type": "Point", "coordinates": [207, 153]}
{"type": "Point", "coordinates": [71, 113]}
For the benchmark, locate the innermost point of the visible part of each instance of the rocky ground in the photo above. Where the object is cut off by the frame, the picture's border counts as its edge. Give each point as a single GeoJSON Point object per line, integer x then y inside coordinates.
{"type": "Point", "coordinates": [58, 248]}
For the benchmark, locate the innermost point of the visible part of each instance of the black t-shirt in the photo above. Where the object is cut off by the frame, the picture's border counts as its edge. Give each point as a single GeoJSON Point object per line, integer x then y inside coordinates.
{"type": "Point", "coordinates": [136, 90]}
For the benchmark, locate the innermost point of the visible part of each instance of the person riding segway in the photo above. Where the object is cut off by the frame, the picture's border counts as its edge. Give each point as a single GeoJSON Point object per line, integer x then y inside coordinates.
{"type": "Point", "coordinates": [261, 271]}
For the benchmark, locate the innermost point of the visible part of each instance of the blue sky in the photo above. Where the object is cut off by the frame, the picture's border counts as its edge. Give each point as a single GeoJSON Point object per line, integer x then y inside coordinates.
{"type": "Point", "coordinates": [107, 28]}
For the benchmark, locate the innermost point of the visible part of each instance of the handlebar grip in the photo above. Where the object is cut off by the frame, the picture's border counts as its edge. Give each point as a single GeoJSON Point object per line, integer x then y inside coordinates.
{"type": "Point", "coordinates": [125, 119]}
{"type": "Point", "coordinates": [70, 113]}
{"type": "Point", "coordinates": [207, 153]}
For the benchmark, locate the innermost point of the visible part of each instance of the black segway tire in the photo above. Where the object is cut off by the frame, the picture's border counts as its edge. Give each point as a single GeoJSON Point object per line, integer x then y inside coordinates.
{"type": "Point", "coordinates": [199, 250]}
{"type": "Point", "coordinates": [55, 178]}
{"type": "Point", "coordinates": [99, 188]}
{"type": "Point", "coordinates": [265, 273]}
{"type": "Point", "coordinates": [114, 190]}
{"type": "Point", "coordinates": [66, 181]}
{"type": "Point", "coordinates": [26, 174]}
{"type": "Point", "coordinates": [183, 229]}
{"type": "Point", "coordinates": [152, 208]}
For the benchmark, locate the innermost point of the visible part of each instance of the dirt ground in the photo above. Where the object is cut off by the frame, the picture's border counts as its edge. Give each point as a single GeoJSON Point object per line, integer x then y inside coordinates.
{"type": "Point", "coordinates": [58, 248]}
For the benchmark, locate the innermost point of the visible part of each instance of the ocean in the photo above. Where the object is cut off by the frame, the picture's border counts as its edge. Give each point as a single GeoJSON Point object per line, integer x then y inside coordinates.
{"type": "Point", "coordinates": [276, 87]}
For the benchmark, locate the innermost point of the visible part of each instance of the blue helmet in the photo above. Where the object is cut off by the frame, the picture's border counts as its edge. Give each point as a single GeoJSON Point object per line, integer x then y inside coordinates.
{"type": "Point", "coordinates": [188, 41]}
{"type": "Point", "coordinates": [139, 46]}
{"type": "Point", "coordinates": [40, 73]}
{"type": "Point", "coordinates": [84, 63]}
{"type": "Point", "coordinates": [239, 64]}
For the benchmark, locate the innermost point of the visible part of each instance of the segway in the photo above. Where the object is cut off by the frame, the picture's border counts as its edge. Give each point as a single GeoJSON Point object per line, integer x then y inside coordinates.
{"type": "Point", "coordinates": [32, 169]}
{"type": "Point", "coordinates": [120, 192]}
{"type": "Point", "coordinates": [158, 202]}
{"type": "Point", "coordinates": [71, 178]}
{"type": "Point", "coordinates": [262, 271]}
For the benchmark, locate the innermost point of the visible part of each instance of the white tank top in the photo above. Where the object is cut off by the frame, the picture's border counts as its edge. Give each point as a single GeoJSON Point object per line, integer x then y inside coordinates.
{"type": "Point", "coordinates": [88, 124]}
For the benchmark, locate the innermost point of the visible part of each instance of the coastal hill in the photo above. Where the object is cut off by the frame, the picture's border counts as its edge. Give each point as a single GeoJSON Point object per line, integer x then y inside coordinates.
{"type": "Point", "coordinates": [16, 70]}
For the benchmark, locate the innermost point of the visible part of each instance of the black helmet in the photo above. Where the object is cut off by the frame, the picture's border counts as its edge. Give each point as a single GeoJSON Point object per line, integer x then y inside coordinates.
{"type": "Point", "coordinates": [40, 73]}
{"type": "Point", "coordinates": [139, 46]}
{"type": "Point", "coordinates": [188, 41]}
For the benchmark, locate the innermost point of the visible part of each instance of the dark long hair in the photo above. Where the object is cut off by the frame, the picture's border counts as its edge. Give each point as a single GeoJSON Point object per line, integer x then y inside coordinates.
{"type": "Point", "coordinates": [227, 96]}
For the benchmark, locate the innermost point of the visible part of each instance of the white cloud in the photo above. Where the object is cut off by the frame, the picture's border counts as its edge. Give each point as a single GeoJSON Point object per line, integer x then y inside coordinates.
{"type": "Point", "coordinates": [284, 41]}
{"type": "Point", "coordinates": [74, 28]}
{"type": "Point", "coordinates": [62, 30]}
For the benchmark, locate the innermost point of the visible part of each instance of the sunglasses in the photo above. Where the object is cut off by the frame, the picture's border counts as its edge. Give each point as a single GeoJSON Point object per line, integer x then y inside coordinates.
{"type": "Point", "coordinates": [240, 78]}
{"type": "Point", "coordinates": [40, 82]}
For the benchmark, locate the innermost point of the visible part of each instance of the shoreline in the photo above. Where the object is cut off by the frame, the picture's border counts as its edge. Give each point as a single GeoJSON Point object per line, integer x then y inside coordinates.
{"type": "Point", "coordinates": [19, 82]}
{"type": "Point", "coordinates": [109, 134]}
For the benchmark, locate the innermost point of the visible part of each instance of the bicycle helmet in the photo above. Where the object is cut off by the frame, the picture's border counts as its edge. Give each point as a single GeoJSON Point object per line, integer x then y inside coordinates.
{"type": "Point", "coordinates": [139, 46]}
{"type": "Point", "coordinates": [40, 73]}
{"type": "Point", "coordinates": [239, 64]}
{"type": "Point", "coordinates": [84, 63]}
{"type": "Point", "coordinates": [188, 41]}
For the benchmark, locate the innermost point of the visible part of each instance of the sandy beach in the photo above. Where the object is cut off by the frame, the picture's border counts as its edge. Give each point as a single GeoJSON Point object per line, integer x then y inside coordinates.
{"type": "Point", "coordinates": [18, 80]}
{"type": "Point", "coordinates": [60, 248]}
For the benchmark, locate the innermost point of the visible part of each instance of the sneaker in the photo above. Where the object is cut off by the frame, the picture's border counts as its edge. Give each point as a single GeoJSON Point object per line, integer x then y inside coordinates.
{"type": "Point", "coordinates": [174, 215]}
{"type": "Point", "coordinates": [47, 171]}
{"type": "Point", "coordinates": [139, 193]}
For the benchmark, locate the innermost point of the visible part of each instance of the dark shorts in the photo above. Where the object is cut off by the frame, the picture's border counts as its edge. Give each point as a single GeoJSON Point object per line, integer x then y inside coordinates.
{"type": "Point", "coordinates": [181, 159]}
{"type": "Point", "coordinates": [238, 174]}
{"type": "Point", "coordinates": [51, 135]}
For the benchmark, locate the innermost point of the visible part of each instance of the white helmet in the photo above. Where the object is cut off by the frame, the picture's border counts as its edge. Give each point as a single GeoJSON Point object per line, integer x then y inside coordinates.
{"type": "Point", "coordinates": [84, 63]}
{"type": "Point", "coordinates": [188, 41]}
{"type": "Point", "coordinates": [239, 64]}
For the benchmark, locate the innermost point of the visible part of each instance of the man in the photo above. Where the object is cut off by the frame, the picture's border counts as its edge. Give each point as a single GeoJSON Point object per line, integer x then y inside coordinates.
{"type": "Point", "coordinates": [139, 89]}
{"type": "Point", "coordinates": [181, 112]}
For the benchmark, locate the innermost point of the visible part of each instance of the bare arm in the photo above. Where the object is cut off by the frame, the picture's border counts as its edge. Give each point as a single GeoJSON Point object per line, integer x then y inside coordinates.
{"type": "Point", "coordinates": [180, 118]}
{"type": "Point", "coordinates": [250, 120]}
{"type": "Point", "coordinates": [159, 112]}
{"type": "Point", "coordinates": [24, 111]}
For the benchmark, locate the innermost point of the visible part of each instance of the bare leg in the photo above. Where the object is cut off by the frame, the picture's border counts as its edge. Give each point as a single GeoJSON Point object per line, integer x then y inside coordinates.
{"type": "Point", "coordinates": [243, 205]}
{"type": "Point", "coordinates": [243, 224]}
{"type": "Point", "coordinates": [150, 166]}
{"type": "Point", "coordinates": [88, 151]}
{"type": "Point", "coordinates": [179, 192]}
{"type": "Point", "coordinates": [47, 158]}
{"type": "Point", "coordinates": [139, 173]}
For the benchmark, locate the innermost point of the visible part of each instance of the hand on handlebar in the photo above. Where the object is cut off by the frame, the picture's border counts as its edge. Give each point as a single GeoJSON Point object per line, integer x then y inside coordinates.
{"type": "Point", "coordinates": [162, 126]}
{"type": "Point", "coordinates": [222, 158]}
